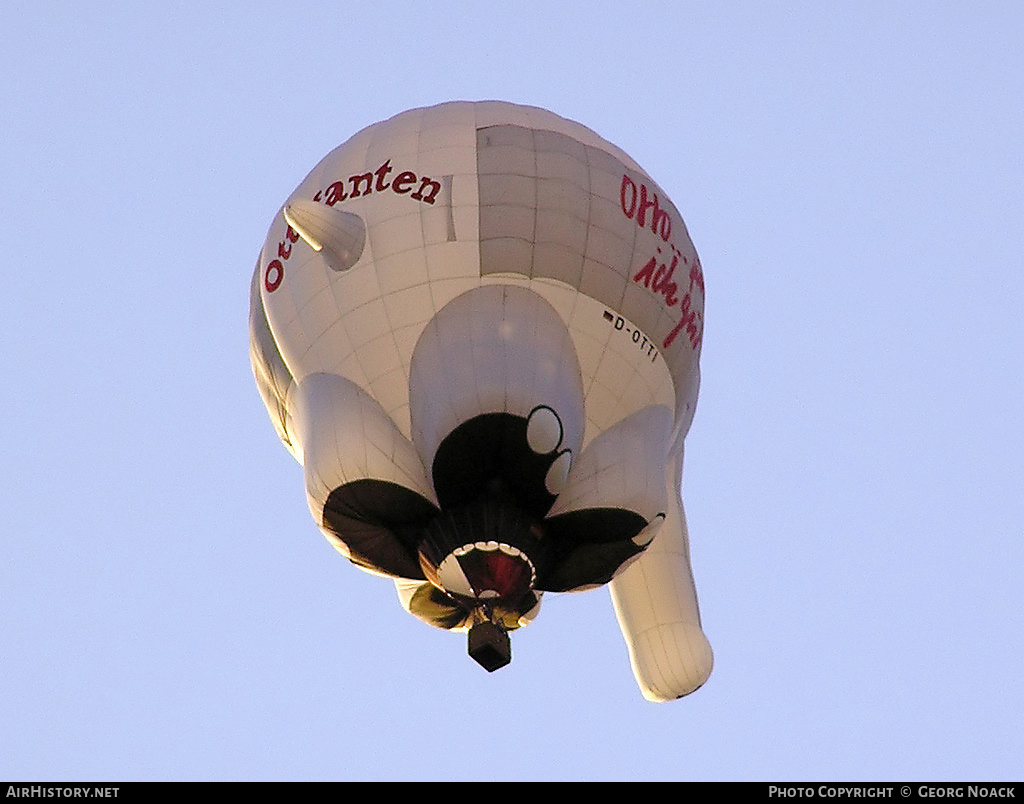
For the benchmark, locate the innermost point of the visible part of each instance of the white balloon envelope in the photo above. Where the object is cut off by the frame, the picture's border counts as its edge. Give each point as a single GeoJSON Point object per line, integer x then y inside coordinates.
{"type": "Point", "coordinates": [477, 326]}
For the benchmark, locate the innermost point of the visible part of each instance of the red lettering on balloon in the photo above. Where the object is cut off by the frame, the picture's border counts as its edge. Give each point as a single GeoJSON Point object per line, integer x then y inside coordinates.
{"type": "Point", "coordinates": [637, 202]}
{"type": "Point", "coordinates": [434, 189]}
{"type": "Point", "coordinates": [273, 276]}
{"type": "Point", "coordinates": [360, 178]}
{"type": "Point", "coordinates": [628, 209]}
{"type": "Point", "coordinates": [640, 204]}
{"type": "Point", "coordinates": [335, 193]}
{"type": "Point", "coordinates": [380, 173]}
{"type": "Point", "coordinates": [693, 323]}
{"type": "Point", "coordinates": [646, 274]}
{"type": "Point", "coordinates": [697, 277]}
{"type": "Point", "coordinates": [403, 181]}
{"type": "Point", "coordinates": [375, 181]}
{"type": "Point", "coordinates": [658, 277]}
{"type": "Point", "coordinates": [663, 283]}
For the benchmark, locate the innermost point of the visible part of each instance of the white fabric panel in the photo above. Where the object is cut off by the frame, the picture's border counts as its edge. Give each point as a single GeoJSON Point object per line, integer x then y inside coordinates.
{"type": "Point", "coordinates": [656, 604]}
{"type": "Point", "coordinates": [346, 436]}
{"type": "Point", "coordinates": [563, 206]}
{"type": "Point", "coordinates": [624, 467]}
{"type": "Point", "coordinates": [498, 348]}
{"type": "Point", "coordinates": [272, 376]}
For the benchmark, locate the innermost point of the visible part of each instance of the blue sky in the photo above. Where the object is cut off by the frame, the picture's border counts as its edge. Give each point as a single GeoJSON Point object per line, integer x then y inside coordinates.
{"type": "Point", "coordinates": [852, 177]}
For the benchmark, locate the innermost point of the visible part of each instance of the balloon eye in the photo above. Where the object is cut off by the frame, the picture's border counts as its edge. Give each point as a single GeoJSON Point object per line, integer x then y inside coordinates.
{"type": "Point", "coordinates": [543, 430]}
{"type": "Point", "coordinates": [558, 473]}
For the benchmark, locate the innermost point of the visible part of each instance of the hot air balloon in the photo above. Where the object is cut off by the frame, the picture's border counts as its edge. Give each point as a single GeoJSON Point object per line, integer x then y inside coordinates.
{"type": "Point", "coordinates": [477, 327]}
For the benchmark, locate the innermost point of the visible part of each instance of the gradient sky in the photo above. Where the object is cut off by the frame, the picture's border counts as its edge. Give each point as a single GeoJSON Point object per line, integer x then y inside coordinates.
{"type": "Point", "coordinates": [853, 178]}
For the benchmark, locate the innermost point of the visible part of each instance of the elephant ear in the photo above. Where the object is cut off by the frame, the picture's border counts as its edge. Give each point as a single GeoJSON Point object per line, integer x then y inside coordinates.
{"type": "Point", "coordinates": [365, 485]}
{"type": "Point", "coordinates": [613, 503]}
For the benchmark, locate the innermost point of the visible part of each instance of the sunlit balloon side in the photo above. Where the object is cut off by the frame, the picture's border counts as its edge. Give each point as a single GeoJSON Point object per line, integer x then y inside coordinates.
{"type": "Point", "coordinates": [477, 326]}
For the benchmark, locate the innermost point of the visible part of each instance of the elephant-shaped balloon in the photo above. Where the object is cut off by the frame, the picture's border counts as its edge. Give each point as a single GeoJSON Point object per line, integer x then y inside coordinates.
{"type": "Point", "coordinates": [477, 326]}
